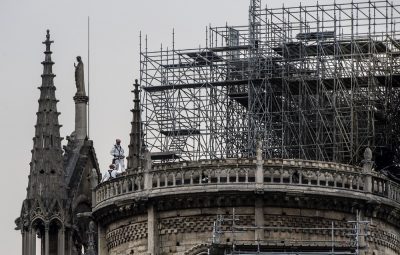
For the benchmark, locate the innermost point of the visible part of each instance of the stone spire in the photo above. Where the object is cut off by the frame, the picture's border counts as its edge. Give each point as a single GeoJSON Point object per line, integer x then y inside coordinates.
{"type": "Point", "coordinates": [46, 179]}
{"type": "Point", "coordinates": [136, 143]}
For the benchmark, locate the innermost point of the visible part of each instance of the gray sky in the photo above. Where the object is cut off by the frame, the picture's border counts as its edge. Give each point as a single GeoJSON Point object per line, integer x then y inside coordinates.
{"type": "Point", "coordinates": [114, 64]}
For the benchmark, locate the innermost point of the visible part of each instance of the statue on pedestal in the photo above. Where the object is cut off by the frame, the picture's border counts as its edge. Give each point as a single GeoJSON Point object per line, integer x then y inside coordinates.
{"type": "Point", "coordinates": [79, 77]}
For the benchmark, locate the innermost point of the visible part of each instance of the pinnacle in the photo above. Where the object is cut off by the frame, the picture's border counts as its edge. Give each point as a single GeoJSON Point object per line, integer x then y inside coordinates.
{"type": "Point", "coordinates": [48, 42]}
{"type": "Point", "coordinates": [136, 132]}
{"type": "Point", "coordinates": [47, 152]}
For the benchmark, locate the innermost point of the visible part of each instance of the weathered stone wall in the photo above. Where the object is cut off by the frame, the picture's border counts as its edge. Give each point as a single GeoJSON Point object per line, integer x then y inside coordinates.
{"type": "Point", "coordinates": [184, 230]}
{"type": "Point", "coordinates": [384, 238]}
{"type": "Point", "coordinates": [128, 236]}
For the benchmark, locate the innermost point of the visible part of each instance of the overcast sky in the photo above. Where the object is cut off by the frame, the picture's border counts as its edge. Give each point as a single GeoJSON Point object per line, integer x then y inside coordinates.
{"type": "Point", "coordinates": [114, 64]}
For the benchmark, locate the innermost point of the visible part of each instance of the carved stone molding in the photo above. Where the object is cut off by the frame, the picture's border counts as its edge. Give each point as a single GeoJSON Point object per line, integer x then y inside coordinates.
{"type": "Point", "coordinates": [80, 99]}
{"type": "Point", "coordinates": [127, 233]}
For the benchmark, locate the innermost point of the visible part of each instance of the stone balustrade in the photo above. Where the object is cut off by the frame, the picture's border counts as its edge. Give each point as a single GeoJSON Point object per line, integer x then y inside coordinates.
{"type": "Point", "coordinates": [247, 174]}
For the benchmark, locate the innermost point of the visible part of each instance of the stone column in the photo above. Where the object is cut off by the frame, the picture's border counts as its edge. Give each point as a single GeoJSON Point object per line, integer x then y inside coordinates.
{"type": "Point", "coordinates": [28, 242]}
{"type": "Point", "coordinates": [152, 231]}
{"type": "Point", "coordinates": [70, 243]}
{"type": "Point", "coordinates": [23, 242]}
{"type": "Point", "coordinates": [101, 241]}
{"type": "Point", "coordinates": [46, 240]}
{"type": "Point", "coordinates": [259, 218]}
{"type": "Point", "coordinates": [81, 116]}
{"type": "Point", "coordinates": [42, 246]}
{"type": "Point", "coordinates": [61, 241]}
{"type": "Point", "coordinates": [32, 242]}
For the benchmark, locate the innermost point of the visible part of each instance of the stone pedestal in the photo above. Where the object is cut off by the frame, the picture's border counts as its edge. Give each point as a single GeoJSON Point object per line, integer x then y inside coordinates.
{"type": "Point", "coordinates": [81, 116]}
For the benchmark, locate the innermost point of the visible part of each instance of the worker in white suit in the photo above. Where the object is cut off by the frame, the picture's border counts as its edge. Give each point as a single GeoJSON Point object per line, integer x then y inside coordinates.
{"type": "Point", "coordinates": [118, 156]}
{"type": "Point", "coordinates": [109, 174]}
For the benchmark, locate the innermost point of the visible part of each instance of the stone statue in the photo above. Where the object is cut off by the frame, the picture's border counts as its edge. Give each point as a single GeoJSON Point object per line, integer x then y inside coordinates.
{"type": "Point", "coordinates": [92, 227]}
{"type": "Point", "coordinates": [367, 161]}
{"type": "Point", "coordinates": [367, 154]}
{"type": "Point", "coordinates": [79, 77]}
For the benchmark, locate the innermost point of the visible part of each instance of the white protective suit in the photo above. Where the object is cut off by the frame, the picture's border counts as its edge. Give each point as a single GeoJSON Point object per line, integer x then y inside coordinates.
{"type": "Point", "coordinates": [118, 158]}
{"type": "Point", "coordinates": [109, 174]}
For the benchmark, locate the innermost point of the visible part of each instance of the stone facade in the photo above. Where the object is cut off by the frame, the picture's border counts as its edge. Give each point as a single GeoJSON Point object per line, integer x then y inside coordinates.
{"type": "Point", "coordinates": [183, 230]}
{"type": "Point", "coordinates": [295, 205]}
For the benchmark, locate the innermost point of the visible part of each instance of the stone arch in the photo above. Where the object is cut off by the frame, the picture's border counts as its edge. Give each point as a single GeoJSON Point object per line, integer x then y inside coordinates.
{"type": "Point", "coordinates": [179, 178]}
{"type": "Point", "coordinates": [36, 234]}
{"type": "Point", "coordinates": [155, 180]}
{"type": "Point", "coordinates": [55, 228]}
{"type": "Point", "coordinates": [163, 179]}
{"type": "Point", "coordinates": [223, 175]}
{"type": "Point", "coordinates": [196, 176]}
{"type": "Point", "coordinates": [242, 174]}
{"type": "Point", "coordinates": [200, 249]}
{"type": "Point", "coordinates": [276, 176]}
{"type": "Point", "coordinates": [285, 175]}
{"type": "Point", "coordinates": [187, 176]}
{"type": "Point", "coordinates": [170, 179]}
{"type": "Point", "coordinates": [213, 175]}
{"type": "Point", "coordinates": [56, 221]}
{"type": "Point", "coordinates": [38, 222]}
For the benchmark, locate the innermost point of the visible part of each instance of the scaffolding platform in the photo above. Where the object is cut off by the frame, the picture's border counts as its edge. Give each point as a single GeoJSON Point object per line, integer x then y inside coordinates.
{"type": "Point", "coordinates": [347, 49]}
{"type": "Point", "coordinates": [180, 132]}
{"type": "Point", "coordinates": [205, 84]}
{"type": "Point", "coordinates": [167, 155]}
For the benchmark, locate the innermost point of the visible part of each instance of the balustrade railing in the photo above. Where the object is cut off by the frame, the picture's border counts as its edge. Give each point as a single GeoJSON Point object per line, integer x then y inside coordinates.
{"type": "Point", "coordinates": [118, 186]}
{"type": "Point", "coordinates": [294, 173]}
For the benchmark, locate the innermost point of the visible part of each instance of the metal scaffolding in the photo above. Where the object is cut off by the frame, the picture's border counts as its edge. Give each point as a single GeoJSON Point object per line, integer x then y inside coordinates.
{"type": "Point", "coordinates": [311, 82]}
{"type": "Point", "coordinates": [349, 240]}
